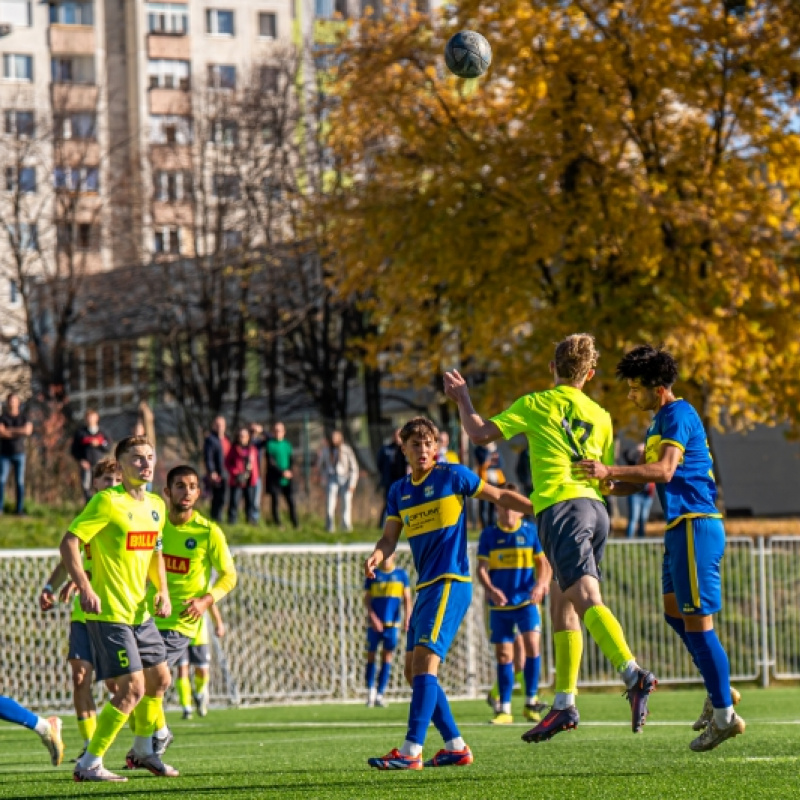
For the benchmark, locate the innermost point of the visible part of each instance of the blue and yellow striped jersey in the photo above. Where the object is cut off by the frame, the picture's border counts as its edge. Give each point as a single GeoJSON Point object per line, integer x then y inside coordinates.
{"type": "Point", "coordinates": [432, 513]}
{"type": "Point", "coordinates": [510, 558]}
{"type": "Point", "coordinates": [386, 591]}
{"type": "Point", "coordinates": [692, 492]}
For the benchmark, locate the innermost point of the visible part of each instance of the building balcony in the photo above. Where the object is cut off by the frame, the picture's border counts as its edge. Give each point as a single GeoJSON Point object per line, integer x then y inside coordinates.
{"type": "Point", "coordinates": [73, 96]}
{"type": "Point", "coordinates": [172, 46]}
{"type": "Point", "coordinates": [77, 153]}
{"type": "Point", "coordinates": [72, 39]}
{"type": "Point", "coordinates": [175, 214]}
{"type": "Point", "coordinates": [171, 157]}
{"type": "Point", "coordinates": [175, 102]}
{"type": "Point", "coordinates": [82, 209]}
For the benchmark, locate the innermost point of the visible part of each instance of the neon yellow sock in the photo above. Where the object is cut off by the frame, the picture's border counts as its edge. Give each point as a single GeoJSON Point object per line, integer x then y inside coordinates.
{"type": "Point", "coordinates": [110, 722]}
{"type": "Point", "coordinates": [161, 719]}
{"type": "Point", "coordinates": [569, 651]}
{"type": "Point", "coordinates": [184, 689]}
{"type": "Point", "coordinates": [87, 727]}
{"type": "Point", "coordinates": [146, 715]}
{"type": "Point", "coordinates": [200, 683]}
{"type": "Point", "coordinates": [604, 628]}
{"type": "Point", "coordinates": [132, 723]}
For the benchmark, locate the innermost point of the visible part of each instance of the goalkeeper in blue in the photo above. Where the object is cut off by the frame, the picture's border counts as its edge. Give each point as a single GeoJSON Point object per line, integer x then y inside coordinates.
{"type": "Point", "coordinates": [677, 459]}
{"type": "Point", "coordinates": [387, 598]}
{"type": "Point", "coordinates": [429, 505]}
{"type": "Point", "coordinates": [516, 576]}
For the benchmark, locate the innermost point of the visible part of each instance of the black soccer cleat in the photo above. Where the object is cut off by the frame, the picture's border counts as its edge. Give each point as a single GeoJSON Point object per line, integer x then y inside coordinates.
{"type": "Point", "coordinates": [559, 719]}
{"type": "Point", "coordinates": [637, 696]}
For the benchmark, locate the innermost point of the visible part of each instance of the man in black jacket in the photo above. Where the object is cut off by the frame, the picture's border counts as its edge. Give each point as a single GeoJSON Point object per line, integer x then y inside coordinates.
{"type": "Point", "coordinates": [215, 448]}
{"type": "Point", "coordinates": [89, 445]}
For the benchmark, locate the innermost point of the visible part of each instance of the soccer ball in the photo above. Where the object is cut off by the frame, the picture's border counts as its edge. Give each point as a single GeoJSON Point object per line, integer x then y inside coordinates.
{"type": "Point", "coordinates": [467, 54]}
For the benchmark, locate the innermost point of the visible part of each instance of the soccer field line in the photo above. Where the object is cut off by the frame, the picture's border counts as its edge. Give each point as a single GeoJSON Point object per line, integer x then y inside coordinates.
{"type": "Point", "coordinates": [401, 724]}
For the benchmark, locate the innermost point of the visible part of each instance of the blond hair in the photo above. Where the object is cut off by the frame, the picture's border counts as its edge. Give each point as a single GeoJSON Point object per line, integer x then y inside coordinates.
{"type": "Point", "coordinates": [575, 356]}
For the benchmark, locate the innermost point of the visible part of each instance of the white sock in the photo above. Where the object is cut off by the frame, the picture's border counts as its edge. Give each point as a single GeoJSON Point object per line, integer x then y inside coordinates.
{"type": "Point", "coordinates": [89, 761]}
{"type": "Point", "coordinates": [187, 708]}
{"type": "Point", "coordinates": [379, 697]}
{"type": "Point", "coordinates": [529, 701]}
{"type": "Point", "coordinates": [162, 733]}
{"type": "Point", "coordinates": [563, 700]}
{"type": "Point", "coordinates": [143, 745]}
{"type": "Point", "coordinates": [455, 744]}
{"type": "Point", "coordinates": [42, 726]}
{"type": "Point", "coordinates": [373, 694]}
{"type": "Point", "coordinates": [505, 708]}
{"type": "Point", "coordinates": [723, 717]}
{"type": "Point", "coordinates": [630, 673]}
{"type": "Point", "coordinates": [411, 748]}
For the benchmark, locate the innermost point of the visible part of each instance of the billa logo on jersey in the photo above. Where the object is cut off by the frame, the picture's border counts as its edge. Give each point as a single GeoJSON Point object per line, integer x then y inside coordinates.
{"type": "Point", "coordinates": [141, 540]}
{"type": "Point", "coordinates": [176, 565]}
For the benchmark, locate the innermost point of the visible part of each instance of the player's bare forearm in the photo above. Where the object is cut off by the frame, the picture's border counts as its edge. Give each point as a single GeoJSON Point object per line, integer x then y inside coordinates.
{"type": "Point", "coordinates": [544, 572]}
{"type": "Point", "coordinates": [70, 549]}
{"type": "Point", "coordinates": [483, 576]}
{"type": "Point", "coordinates": [57, 576]}
{"type": "Point", "coordinates": [156, 571]}
{"type": "Point", "coordinates": [660, 471]}
{"type": "Point", "coordinates": [506, 499]}
{"type": "Point", "coordinates": [385, 547]}
{"type": "Point", "coordinates": [215, 615]}
{"type": "Point", "coordinates": [479, 430]}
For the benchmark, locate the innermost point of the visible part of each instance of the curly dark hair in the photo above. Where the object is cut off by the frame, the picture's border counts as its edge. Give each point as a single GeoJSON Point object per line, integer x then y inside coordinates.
{"type": "Point", "coordinates": [651, 366]}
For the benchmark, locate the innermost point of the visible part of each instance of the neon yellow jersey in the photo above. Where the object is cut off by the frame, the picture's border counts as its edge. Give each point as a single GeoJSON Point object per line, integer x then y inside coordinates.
{"type": "Point", "coordinates": [77, 611]}
{"type": "Point", "coordinates": [191, 551]}
{"type": "Point", "coordinates": [563, 426]}
{"type": "Point", "coordinates": [123, 533]}
{"type": "Point", "coordinates": [202, 637]}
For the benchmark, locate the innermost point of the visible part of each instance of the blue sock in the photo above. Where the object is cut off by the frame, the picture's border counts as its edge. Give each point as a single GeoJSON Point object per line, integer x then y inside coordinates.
{"type": "Point", "coordinates": [443, 717]}
{"type": "Point", "coordinates": [424, 695]}
{"type": "Point", "coordinates": [12, 711]}
{"type": "Point", "coordinates": [383, 676]}
{"type": "Point", "coordinates": [712, 661]}
{"type": "Point", "coordinates": [532, 670]}
{"type": "Point", "coordinates": [505, 681]}
{"type": "Point", "coordinates": [679, 626]}
{"type": "Point", "coordinates": [370, 675]}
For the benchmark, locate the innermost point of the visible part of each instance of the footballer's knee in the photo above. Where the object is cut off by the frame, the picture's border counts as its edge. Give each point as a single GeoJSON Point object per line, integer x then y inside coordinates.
{"type": "Point", "coordinates": [157, 679]}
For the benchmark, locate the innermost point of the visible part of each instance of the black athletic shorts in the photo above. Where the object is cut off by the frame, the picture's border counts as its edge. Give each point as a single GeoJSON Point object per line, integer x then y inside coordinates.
{"type": "Point", "coordinates": [573, 534]}
{"type": "Point", "coordinates": [121, 649]}
{"type": "Point", "coordinates": [80, 646]}
{"type": "Point", "coordinates": [177, 647]}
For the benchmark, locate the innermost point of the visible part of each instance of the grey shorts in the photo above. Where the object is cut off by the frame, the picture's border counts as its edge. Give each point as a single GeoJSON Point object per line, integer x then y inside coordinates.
{"type": "Point", "coordinates": [198, 655]}
{"type": "Point", "coordinates": [121, 649]}
{"type": "Point", "coordinates": [80, 647]}
{"type": "Point", "coordinates": [177, 645]}
{"type": "Point", "coordinates": [573, 536]}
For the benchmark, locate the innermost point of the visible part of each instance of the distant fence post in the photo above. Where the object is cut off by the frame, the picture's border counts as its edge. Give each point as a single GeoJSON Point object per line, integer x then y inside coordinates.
{"type": "Point", "coordinates": [763, 610]}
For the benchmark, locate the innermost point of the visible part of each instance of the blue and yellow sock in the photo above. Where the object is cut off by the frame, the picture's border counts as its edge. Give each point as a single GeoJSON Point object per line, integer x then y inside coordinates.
{"type": "Point", "coordinates": [370, 674]}
{"type": "Point", "coordinates": [383, 676]}
{"type": "Point", "coordinates": [442, 717]}
{"type": "Point", "coordinates": [712, 660]}
{"type": "Point", "coordinates": [505, 681]}
{"type": "Point", "coordinates": [532, 670]}
{"type": "Point", "coordinates": [424, 697]}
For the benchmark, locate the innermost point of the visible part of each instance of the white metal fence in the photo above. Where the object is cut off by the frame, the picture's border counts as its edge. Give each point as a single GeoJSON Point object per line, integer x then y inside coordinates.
{"type": "Point", "coordinates": [296, 624]}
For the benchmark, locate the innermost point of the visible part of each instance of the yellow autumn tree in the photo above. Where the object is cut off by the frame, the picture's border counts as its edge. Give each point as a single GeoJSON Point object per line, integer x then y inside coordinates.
{"type": "Point", "coordinates": [630, 169]}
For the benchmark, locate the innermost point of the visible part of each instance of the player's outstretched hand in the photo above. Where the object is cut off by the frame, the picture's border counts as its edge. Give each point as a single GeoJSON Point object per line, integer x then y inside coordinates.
{"type": "Point", "coordinates": [46, 600]}
{"type": "Point", "coordinates": [90, 602]}
{"type": "Point", "coordinates": [593, 470]}
{"type": "Point", "coordinates": [162, 605]}
{"type": "Point", "coordinates": [195, 608]}
{"type": "Point", "coordinates": [372, 563]}
{"type": "Point", "coordinates": [220, 630]}
{"type": "Point", "coordinates": [455, 387]}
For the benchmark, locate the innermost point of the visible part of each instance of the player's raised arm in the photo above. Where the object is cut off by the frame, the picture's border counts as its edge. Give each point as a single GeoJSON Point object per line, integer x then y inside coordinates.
{"type": "Point", "coordinates": [385, 546]}
{"type": "Point", "coordinates": [505, 499]}
{"type": "Point", "coordinates": [478, 429]}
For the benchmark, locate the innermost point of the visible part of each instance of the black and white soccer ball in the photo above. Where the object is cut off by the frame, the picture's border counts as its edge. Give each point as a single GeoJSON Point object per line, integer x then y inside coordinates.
{"type": "Point", "coordinates": [467, 54]}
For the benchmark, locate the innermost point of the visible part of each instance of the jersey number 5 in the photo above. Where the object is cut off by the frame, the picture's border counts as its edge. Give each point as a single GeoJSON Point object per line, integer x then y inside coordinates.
{"type": "Point", "coordinates": [577, 433]}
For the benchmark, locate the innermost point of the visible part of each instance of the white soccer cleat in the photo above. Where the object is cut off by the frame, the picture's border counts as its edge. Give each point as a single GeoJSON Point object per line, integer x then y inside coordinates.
{"type": "Point", "coordinates": [152, 763]}
{"type": "Point", "coordinates": [708, 710]}
{"type": "Point", "coordinates": [52, 740]}
{"type": "Point", "coordinates": [96, 774]}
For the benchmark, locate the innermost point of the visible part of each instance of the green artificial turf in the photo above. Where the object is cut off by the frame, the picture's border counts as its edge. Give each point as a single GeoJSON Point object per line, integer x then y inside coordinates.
{"type": "Point", "coordinates": [321, 751]}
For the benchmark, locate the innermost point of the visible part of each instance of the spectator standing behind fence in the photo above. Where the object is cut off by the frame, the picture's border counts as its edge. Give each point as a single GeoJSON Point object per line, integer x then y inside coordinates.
{"type": "Point", "coordinates": [89, 445]}
{"type": "Point", "coordinates": [489, 465]}
{"type": "Point", "coordinates": [339, 473]}
{"type": "Point", "coordinates": [242, 466]}
{"type": "Point", "coordinates": [392, 466]}
{"type": "Point", "coordinates": [280, 477]}
{"type": "Point", "coordinates": [259, 440]}
{"type": "Point", "coordinates": [15, 428]}
{"type": "Point", "coordinates": [639, 504]}
{"type": "Point", "coordinates": [215, 449]}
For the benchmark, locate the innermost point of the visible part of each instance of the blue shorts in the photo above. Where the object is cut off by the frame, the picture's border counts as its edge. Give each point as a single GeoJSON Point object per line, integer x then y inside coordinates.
{"type": "Point", "coordinates": [438, 612]}
{"type": "Point", "coordinates": [387, 637]}
{"type": "Point", "coordinates": [505, 625]}
{"type": "Point", "coordinates": [693, 551]}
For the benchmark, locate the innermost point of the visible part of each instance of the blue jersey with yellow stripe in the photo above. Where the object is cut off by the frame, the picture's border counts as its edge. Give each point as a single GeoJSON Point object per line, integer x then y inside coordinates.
{"type": "Point", "coordinates": [432, 513]}
{"type": "Point", "coordinates": [386, 591]}
{"type": "Point", "coordinates": [692, 492]}
{"type": "Point", "coordinates": [509, 554]}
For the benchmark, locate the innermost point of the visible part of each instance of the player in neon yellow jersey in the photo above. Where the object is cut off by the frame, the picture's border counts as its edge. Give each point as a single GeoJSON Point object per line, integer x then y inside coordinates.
{"type": "Point", "coordinates": [123, 525]}
{"type": "Point", "coordinates": [563, 427]}
{"type": "Point", "coordinates": [192, 547]}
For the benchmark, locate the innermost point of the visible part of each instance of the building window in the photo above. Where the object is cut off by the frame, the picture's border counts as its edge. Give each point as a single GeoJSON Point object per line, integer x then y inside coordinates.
{"type": "Point", "coordinates": [25, 236]}
{"type": "Point", "coordinates": [327, 9]}
{"type": "Point", "coordinates": [224, 131]}
{"type": "Point", "coordinates": [168, 129]}
{"type": "Point", "coordinates": [226, 187]}
{"type": "Point", "coordinates": [78, 179]}
{"type": "Point", "coordinates": [13, 293]}
{"type": "Point", "coordinates": [219, 23]}
{"type": "Point", "coordinates": [167, 18]}
{"type": "Point", "coordinates": [72, 13]}
{"type": "Point", "coordinates": [20, 123]}
{"type": "Point", "coordinates": [168, 74]}
{"type": "Point", "coordinates": [17, 67]}
{"type": "Point", "coordinates": [231, 240]}
{"type": "Point", "coordinates": [167, 240]}
{"type": "Point", "coordinates": [268, 25]}
{"type": "Point", "coordinates": [268, 79]}
{"type": "Point", "coordinates": [171, 187]}
{"type": "Point", "coordinates": [222, 76]}
{"type": "Point", "coordinates": [80, 125]}
{"type": "Point", "coordinates": [77, 69]}
{"type": "Point", "coordinates": [22, 180]}
{"type": "Point", "coordinates": [79, 235]}
{"type": "Point", "coordinates": [16, 13]}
